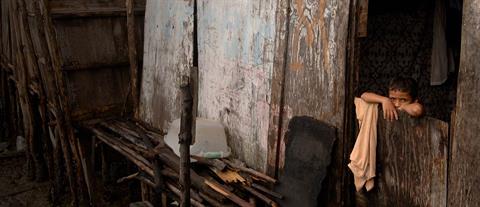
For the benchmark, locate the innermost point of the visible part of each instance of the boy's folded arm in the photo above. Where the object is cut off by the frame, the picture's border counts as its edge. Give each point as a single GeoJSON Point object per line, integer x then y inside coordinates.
{"type": "Point", "coordinates": [389, 111]}
{"type": "Point", "coordinates": [414, 109]}
{"type": "Point", "coordinates": [373, 97]}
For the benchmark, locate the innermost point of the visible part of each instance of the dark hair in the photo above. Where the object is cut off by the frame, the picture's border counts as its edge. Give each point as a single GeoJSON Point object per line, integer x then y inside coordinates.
{"type": "Point", "coordinates": [404, 84]}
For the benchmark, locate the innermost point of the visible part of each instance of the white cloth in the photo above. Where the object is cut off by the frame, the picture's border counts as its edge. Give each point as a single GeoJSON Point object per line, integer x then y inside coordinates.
{"type": "Point", "coordinates": [363, 156]}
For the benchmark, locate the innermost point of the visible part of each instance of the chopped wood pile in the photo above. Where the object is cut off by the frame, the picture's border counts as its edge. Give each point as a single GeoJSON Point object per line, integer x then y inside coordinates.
{"type": "Point", "coordinates": [215, 182]}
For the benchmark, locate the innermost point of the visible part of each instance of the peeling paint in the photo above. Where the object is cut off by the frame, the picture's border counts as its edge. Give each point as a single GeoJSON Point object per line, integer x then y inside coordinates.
{"type": "Point", "coordinates": [168, 54]}
{"type": "Point", "coordinates": [236, 50]}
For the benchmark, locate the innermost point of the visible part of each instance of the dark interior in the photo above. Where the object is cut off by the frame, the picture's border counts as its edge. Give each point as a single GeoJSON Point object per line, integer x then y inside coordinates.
{"type": "Point", "coordinates": [399, 42]}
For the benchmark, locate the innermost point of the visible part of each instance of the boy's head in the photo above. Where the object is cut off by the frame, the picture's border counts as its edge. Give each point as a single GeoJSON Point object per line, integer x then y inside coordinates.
{"type": "Point", "coordinates": [402, 91]}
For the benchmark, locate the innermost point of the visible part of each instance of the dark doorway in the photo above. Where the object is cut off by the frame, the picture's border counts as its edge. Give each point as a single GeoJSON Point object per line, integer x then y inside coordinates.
{"type": "Point", "coordinates": [400, 41]}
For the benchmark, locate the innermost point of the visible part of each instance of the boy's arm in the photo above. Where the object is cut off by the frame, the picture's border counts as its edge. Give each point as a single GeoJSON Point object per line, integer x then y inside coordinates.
{"type": "Point", "coordinates": [415, 109]}
{"type": "Point", "coordinates": [389, 111]}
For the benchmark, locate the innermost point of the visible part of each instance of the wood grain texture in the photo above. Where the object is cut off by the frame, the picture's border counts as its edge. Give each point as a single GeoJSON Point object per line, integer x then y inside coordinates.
{"type": "Point", "coordinates": [315, 76]}
{"type": "Point", "coordinates": [83, 4]}
{"type": "Point", "coordinates": [95, 54]}
{"type": "Point", "coordinates": [282, 15]}
{"type": "Point", "coordinates": [236, 58]}
{"type": "Point", "coordinates": [94, 42]}
{"type": "Point", "coordinates": [90, 90]}
{"type": "Point", "coordinates": [464, 182]}
{"type": "Point", "coordinates": [411, 162]}
{"type": "Point", "coordinates": [168, 54]}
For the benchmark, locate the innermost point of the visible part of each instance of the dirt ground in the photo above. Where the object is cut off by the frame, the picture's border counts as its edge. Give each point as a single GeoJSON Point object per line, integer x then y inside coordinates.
{"type": "Point", "coordinates": [16, 190]}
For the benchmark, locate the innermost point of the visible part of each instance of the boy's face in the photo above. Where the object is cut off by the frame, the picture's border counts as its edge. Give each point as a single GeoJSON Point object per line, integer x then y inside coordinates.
{"type": "Point", "coordinates": [399, 98]}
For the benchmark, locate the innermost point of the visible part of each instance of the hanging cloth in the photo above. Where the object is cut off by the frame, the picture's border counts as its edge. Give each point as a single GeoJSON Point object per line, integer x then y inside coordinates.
{"type": "Point", "coordinates": [363, 156]}
{"type": "Point", "coordinates": [439, 66]}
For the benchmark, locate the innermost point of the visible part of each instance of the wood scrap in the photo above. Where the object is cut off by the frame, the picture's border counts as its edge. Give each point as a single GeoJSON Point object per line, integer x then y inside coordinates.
{"type": "Point", "coordinates": [228, 176]}
{"type": "Point", "coordinates": [210, 191]}
{"type": "Point", "coordinates": [250, 171]}
{"type": "Point", "coordinates": [218, 164]}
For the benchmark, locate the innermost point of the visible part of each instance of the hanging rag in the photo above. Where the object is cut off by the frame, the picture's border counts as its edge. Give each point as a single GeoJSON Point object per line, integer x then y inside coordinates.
{"type": "Point", "coordinates": [439, 62]}
{"type": "Point", "coordinates": [363, 156]}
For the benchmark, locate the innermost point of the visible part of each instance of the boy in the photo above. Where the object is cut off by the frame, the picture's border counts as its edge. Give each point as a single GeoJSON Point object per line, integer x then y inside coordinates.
{"type": "Point", "coordinates": [402, 95]}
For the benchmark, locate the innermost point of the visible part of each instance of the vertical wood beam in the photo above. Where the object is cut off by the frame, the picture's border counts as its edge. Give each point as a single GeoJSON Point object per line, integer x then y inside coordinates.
{"type": "Point", "coordinates": [185, 140]}
{"type": "Point", "coordinates": [132, 56]}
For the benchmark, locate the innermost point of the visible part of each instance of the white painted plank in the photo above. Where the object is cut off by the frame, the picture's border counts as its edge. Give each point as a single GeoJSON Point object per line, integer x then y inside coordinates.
{"type": "Point", "coordinates": [236, 50]}
{"type": "Point", "coordinates": [168, 54]}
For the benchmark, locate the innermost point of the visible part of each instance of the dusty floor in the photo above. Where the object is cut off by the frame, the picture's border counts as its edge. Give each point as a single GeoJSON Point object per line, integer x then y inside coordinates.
{"type": "Point", "coordinates": [16, 190]}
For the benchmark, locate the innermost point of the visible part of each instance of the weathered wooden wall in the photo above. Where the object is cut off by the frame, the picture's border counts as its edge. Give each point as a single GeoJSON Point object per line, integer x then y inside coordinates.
{"type": "Point", "coordinates": [168, 54]}
{"type": "Point", "coordinates": [464, 182]}
{"type": "Point", "coordinates": [315, 75]}
{"type": "Point", "coordinates": [236, 54]}
{"type": "Point", "coordinates": [92, 37]}
{"type": "Point", "coordinates": [243, 75]}
{"type": "Point", "coordinates": [412, 164]}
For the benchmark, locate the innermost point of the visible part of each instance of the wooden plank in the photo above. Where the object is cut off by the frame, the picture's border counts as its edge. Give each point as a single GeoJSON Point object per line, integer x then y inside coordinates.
{"type": "Point", "coordinates": [86, 43]}
{"type": "Point", "coordinates": [411, 163]}
{"type": "Point", "coordinates": [315, 77]}
{"type": "Point", "coordinates": [362, 18]}
{"type": "Point", "coordinates": [59, 13]}
{"type": "Point", "coordinates": [168, 55]}
{"type": "Point", "coordinates": [86, 4]}
{"type": "Point", "coordinates": [465, 165]}
{"type": "Point", "coordinates": [236, 59]}
{"type": "Point", "coordinates": [282, 19]}
{"type": "Point", "coordinates": [132, 55]}
{"type": "Point", "coordinates": [5, 30]}
{"type": "Point", "coordinates": [97, 90]}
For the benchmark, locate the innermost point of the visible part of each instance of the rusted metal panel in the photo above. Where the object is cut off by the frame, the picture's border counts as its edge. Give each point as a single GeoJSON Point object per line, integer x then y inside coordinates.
{"type": "Point", "coordinates": [168, 54]}
{"type": "Point", "coordinates": [315, 76]}
{"type": "Point", "coordinates": [464, 181]}
{"type": "Point", "coordinates": [411, 163]}
{"type": "Point", "coordinates": [236, 58]}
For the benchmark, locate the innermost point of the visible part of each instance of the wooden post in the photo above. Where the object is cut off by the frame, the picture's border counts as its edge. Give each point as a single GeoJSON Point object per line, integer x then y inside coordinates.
{"type": "Point", "coordinates": [185, 140]}
{"type": "Point", "coordinates": [132, 55]}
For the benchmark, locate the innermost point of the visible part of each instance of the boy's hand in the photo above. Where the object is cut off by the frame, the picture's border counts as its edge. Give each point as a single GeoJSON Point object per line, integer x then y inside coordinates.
{"type": "Point", "coordinates": [389, 111]}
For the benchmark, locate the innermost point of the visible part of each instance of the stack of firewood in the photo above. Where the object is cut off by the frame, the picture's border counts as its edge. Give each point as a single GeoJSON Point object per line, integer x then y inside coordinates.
{"type": "Point", "coordinates": [214, 182]}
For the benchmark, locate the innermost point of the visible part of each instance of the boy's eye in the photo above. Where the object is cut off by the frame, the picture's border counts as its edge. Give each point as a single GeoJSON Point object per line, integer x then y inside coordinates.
{"type": "Point", "coordinates": [403, 100]}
